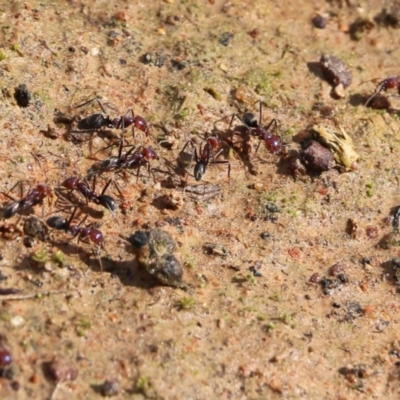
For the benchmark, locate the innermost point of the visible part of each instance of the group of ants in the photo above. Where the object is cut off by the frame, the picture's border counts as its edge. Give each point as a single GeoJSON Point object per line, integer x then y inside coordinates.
{"type": "Point", "coordinates": [136, 157]}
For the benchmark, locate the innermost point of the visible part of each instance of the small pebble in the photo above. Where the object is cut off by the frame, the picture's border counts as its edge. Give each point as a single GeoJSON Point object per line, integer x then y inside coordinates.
{"type": "Point", "coordinates": [335, 71]}
{"type": "Point", "coordinates": [5, 358]}
{"type": "Point", "coordinates": [22, 95]}
{"type": "Point", "coordinates": [317, 157]}
{"type": "Point", "coordinates": [110, 388]}
{"type": "Point", "coordinates": [62, 370]}
{"type": "Point", "coordinates": [226, 38]}
{"type": "Point", "coordinates": [17, 321]}
{"type": "Point", "coordinates": [319, 22]}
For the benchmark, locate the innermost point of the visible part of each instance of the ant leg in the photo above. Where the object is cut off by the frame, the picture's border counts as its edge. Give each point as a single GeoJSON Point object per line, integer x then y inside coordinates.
{"type": "Point", "coordinates": [21, 194]}
{"type": "Point", "coordinates": [216, 122]}
{"type": "Point", "coordinates": [377, 91]}
{"type": "Point", "coordinates": [91, 101]}
{"type": "Point", "coordinates": [101, 105]}
{"type": "Point", "coordinates": [186, 144]}
{"type": "Point", "coordinates": [116, 187]}
{"type": "Point", "coordinates": [72, 217]}
{"type": "Point", "coordinates": [273, 121]}
{"type": "Point", "coordinates": [88, 102]}
{"type": "Point", "coordinates": [258, 146]}
{"type": "Point", "coordinates": [150, 170]}
{"type": "Point", "coordinates": [96, 253]}
{"type": "Point", "coordinates": [83, 220]}
{"type": "Point", "coordinates": [260, 117]}
{"type": "Point", "coordinates": [131, 150]}
{"type": "Point", "coordinates": [229, 169]}
{"type": "Point", "coordinates": [137, 174]}
{"type": "Point", "coordinates": [105, 187]}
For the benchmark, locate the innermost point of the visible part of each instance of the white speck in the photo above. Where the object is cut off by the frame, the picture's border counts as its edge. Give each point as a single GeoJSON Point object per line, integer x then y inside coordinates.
{"type": "Point", "coordinates": [17, 321]}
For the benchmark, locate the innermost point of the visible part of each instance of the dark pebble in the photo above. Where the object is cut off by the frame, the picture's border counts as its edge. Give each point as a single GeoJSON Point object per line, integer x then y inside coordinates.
{"type": "Point", "coordinates": [316, 157]}
{"type": "Point", "coordinates": [335, 71]}
{"type": "Point", "coordinates": [226, 38]}
{"type": "Point", "coordinates": [319, 22]}
{"type": "Point", "coordinates": [22, 95]}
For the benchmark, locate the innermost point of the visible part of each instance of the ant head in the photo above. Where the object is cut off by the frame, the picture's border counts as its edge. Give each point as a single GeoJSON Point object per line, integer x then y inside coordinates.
{"type": "Point", "coordinates": [150, 154]}
{"type": "Point", "coordinates": [141, 124]}
{"type": "Point", "coordinates": [70, 183]}
{"type": "Point", "coordinates": [43, 189]}
{"type": "Point", "coordinates": [96, 237]}
{"type": "Point", "coordinates": [250, 120]}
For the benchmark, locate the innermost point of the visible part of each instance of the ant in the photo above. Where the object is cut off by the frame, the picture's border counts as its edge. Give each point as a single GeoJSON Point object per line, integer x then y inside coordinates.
{"type": "Point", "coordinates": [82, 186]}
{"type": "Point", "coordinates": [97, 121]}
{"type": "Point", "coordinates": [392, 82]}
{"type": "Point", "coordinates": [212, 149]}
{"type": "Point", "coordinates": [82, 232]}
{"type": "Point", "coordinates": [35, 196]}
{"type": "Point", "coordinates": [132, 159]}
{"type": "Point", "coordinates": [272, 142]}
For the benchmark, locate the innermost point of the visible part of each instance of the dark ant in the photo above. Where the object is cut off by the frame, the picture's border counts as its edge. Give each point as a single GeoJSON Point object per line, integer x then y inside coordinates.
{"type": "Point", "coordinates": [132, 159]}
{"type": "Point", "coordinates": [273, 143]}
{"type": "Point", "coordinates": [35, 196]}
{"type": "Point", "coordinates": [82, 186]}
{"type": "Point", "coordinates": [97, 121]}
{"type": "Point", "coordinates": [392, 82]}
{"type": "Point", "coordinates": [82, 232]}
{"type": "Point", "coordinates": [212, 149]}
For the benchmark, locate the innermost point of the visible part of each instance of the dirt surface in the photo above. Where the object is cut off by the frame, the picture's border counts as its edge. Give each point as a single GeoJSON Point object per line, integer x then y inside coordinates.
{"type": "Point", "coordinates": [290, 274]}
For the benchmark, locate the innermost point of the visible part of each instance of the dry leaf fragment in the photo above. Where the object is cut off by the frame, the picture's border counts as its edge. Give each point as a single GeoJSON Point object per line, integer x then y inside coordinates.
{"type": "Point", "coordinates": [340, 143]}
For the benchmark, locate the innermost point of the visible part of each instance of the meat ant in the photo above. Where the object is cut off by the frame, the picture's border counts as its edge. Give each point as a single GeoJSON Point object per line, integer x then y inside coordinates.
{"type": "Point", "coordinates": [100, 120]}
{"type": "Point", "coordinates": [392, 82]}
{"type": "Point", "coordinates": [82, 186]}
{"type": "Point", "coordinates": [211, 150]}
{"type": "Point", "coordinates": [88, 232]}
{"type": "Point", "coordinates": [134, 158]}
{"type": "Point", "coordinates": [35, 196]}
{"type": "Point", "coordinates": [273, 143]}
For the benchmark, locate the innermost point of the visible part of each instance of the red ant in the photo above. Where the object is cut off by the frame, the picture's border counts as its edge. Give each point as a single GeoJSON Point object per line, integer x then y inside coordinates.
{"type": "Point", "coordinates": [272, 142]}
{"type": "Point", "coordinates": [74, 183]}
{"type": "Point", "coordinates": [212, 149]}
{"type": "Point", "coordinates": [97, 121]}
{"type": "Point", "coordinates": [82, 232]}
{"type": "Point", "coordinates": [132, 159]}
{"type": "Point", "coordinates": [392, 82]}
{"type": "Point", "coordinates": [35, 196]}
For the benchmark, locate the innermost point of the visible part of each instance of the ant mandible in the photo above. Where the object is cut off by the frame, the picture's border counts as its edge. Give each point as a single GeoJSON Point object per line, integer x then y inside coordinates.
{"type": "Point", "coordinates": [212, 149]}
{"type": "Point", "coordinates": [35, 196]}
{"type": "Point", "coordinates": [392, 82]}
{"type": "Point", "coordinates": [97, 121]}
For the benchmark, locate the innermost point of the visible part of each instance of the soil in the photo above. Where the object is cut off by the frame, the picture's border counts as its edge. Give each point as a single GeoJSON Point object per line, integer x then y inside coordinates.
{"type": "Point", "coordinates": [290, 269]}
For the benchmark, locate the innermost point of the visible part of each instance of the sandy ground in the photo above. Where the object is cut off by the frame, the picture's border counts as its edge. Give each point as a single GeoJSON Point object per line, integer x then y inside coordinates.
{"type": "Point", "coordinates": [264, 316]}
